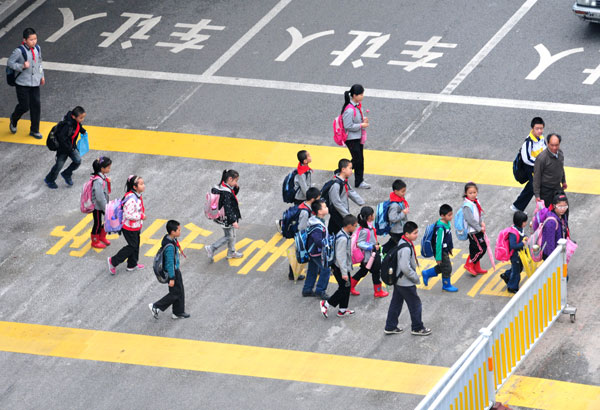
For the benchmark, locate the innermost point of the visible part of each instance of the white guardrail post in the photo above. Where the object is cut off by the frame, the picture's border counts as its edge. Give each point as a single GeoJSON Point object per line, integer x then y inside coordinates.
{"type": "Point", "coordinates": [472, 382]}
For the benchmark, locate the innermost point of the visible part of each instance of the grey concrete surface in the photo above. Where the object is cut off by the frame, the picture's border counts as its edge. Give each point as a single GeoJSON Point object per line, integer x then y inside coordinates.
{"type": "Point", "coordinates": [264, 308]}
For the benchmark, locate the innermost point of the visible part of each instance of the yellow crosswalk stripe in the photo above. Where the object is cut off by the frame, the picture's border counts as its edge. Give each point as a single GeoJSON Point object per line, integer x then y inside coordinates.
{"type": "Point", "coordinates": [283, 154]}
{"type": "Point", "coordinates": [273, 363]}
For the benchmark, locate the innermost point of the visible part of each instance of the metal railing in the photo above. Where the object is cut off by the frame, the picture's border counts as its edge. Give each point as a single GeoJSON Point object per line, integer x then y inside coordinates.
{"type": "Point", "coordinates": [472, 382]}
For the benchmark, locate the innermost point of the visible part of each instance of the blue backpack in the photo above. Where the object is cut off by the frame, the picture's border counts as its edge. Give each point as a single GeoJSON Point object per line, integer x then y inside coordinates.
{"type": "Point", "coordinates": [428, 240]}
{"type": "Point", "coordinates": [289, 221]}
{"type": "Point", "coordinates": [288, 189]}
{"type": "Point", "coordinates": [382, 222]}
{"type": "Point", "coordinates": [302, 252]}
{"type": "Point", "coordinates": [460, 225]}
{"type": "Point", "coordinates": [11, 75]}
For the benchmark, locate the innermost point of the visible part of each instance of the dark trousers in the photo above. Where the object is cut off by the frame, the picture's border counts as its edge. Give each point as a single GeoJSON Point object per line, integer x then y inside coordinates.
{"type": "Point", "coordinates": [477, 246]}
{"type": "Point", "coordinates": [358, 160]}
{"type": "Point", "coordinates": [514, 277]}
{"type": "Point", "coordinates": [342, 294]}
{"type": "Point", "coordinates": [393, 241]}
{"type": "Point", "coordinates": [445, 268]}
{"type": "Point", "coordinates": [175, 297]}
{"type": "Point", "coordinates": [527, 193]}
{"type": "Point", "coordinates": [131, 251]}
{"type": "Point", "coordinates": [408, 294]}
{"type": "Point", "coordinates": [28, 100]}
{"type": "Point", "coordinates": [61, 158]}
{"type": "Point", "coordinates": [97, 226]}
{"type": "Point", "coordinates": [375, 271]}
{"type": "Point", "coordinates": [335, 221]}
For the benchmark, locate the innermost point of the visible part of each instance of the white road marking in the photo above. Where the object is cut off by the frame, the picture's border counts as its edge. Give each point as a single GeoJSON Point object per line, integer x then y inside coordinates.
{"type": "Point", "coordinates": [20, 17]}
{"type": "Point", "coordinates": [322, 88]}
{"type": "Point", "coordinates": [246, 37]}
{"type": "Point", "coordinates": [468, 69]}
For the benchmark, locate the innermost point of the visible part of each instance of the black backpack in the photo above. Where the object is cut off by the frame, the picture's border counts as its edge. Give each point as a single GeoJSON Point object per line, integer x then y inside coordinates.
{"type": "Point", "coordinates": [327, 187]}
{"type": "Point", "coordinates": [520, 169]}
{"type": "Point", "coordinates": [161, 274]}
{"type": "Point", "coordinates": [389, 265]}
{"type": "Point", "coordinates": [52, 141]}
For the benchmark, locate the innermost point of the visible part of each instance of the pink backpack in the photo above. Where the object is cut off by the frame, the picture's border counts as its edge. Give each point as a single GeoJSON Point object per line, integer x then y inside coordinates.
{"type": "Point", "coordinates": [339, 132]}
{"type": "Point", "coordinates": [535, 243]}
{"type": "Point", "coordinates": [211, 207]}
{"type": "Point", "coordinates": [358, 255]}
{"type": "Point", "coordinates": [85, 202]}
{"type": "Point", "coordinates": [502, 252]}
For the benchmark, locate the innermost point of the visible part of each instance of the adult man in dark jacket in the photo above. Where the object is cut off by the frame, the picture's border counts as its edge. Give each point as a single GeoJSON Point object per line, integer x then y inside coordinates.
{"type": "Point", "coordinates": [549, 172]}
{"type": "Point", "coordinates": [66, 133]}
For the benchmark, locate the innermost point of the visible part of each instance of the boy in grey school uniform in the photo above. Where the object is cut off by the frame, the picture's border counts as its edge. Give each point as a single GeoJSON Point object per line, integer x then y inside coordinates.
{"type": "Point", "coordinates": [342, 269]}
{"type": "Point", "coordinates": [302, 180]}
{"type": "Point", "coordinates": [405, 288]}
{"type": "Point", "coordinates": [339, 195]}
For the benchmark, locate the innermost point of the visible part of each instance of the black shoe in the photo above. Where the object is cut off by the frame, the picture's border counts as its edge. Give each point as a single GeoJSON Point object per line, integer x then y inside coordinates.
{"type": "Point", "coordinates": [309, 294]}
{"type": "Point", "coordinates": [68, 180]}
{"type": "Point", "coordinates": [394, 331]}
{"type": "Point", "coordinates": [512, 290]}
{"type": "Point", "coordinates": [422, 332]}
{"type": "Point", "coordinates": [180, 316]}
{"type": "Point", "coordinates": [12, 127]}
{"type": "Point", "coordinates": [504, 277]}
{"type": "Point", "coordinates": [301, 277]}
{"type": "Point", "coordinates": [36, 135]}
{"type": "Point", "coordinates": [322, 295]}
{"type": "Point", "coordinates": [51, 184]}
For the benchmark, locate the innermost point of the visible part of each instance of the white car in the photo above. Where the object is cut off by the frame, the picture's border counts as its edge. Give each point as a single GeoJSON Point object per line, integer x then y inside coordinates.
{"type": "Point", "coordinates": [588, 10]}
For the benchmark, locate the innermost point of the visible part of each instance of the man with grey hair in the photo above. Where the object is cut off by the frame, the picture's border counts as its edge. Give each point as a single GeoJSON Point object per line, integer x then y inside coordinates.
{"type": "Point", "coordinates": [549, 171]}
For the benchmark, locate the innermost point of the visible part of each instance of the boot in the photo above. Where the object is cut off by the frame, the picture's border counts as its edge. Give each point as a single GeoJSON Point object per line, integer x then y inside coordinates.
{"type": "Point", "coordinates": [447, 286]}
{"type": "Point", "coordinates": [379, 292]}
{"type": "Point", "coordinates": [469, 267]}
{"type": "Point", "coordinates": [96, 242]}
{"type": "Point", "coordinates": [478, 268]}
{"type": "Point", "coordinates": [102, 237]}
{"type": "Point", "coordinates": [428, 273]}
{"type": "Point", "coordinates": [353, 290]}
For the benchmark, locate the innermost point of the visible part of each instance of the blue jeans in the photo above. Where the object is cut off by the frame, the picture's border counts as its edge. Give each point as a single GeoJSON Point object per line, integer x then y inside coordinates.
{"type": "Point", "coordinates": [315, 267]}
{"type": "Point", "coordinates": [515, 274]}
{"type": "Point", "coordinates": [61, 158]}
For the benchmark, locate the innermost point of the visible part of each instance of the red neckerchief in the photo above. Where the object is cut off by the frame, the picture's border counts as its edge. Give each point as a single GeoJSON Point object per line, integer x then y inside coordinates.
{"type": "Point", "coordinates": [476, 202]}
{"type": "Point", "coordinates": [76, 133]}
{"type": "Point", "coordinates": [396, 198]}
{"type": "Point", "coordinates": [30, 49]}
{"type": "Point", "coordinates": [223, 184]}
{"type": "Point", "coordinates": [345, 181]}
{"type": "Point", "coordinates": [302, 169]}
{"type": "Point", "coordinates": [108, 182]}
{"type": "Point", "coordinates": [413, 248]}
{"type": "Point", "coordinates": [179, 246]}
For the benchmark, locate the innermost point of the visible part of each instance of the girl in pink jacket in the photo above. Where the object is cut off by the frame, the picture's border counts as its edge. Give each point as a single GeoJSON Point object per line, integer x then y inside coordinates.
{"type": "Point", "coordinates": [133, 215]}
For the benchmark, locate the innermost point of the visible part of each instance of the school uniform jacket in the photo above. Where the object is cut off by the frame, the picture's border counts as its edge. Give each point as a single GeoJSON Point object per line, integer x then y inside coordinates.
{"type": "Point", "coordinates": [100, 191]}
{"type": "Point", "coordinates": [407, 265]}
{"type": "Point", "coordinates": [339, 198]}
{"type": "Point", "coordinates": [301, 185]}
{"type": "Point", "coordinates": [397, 218]}
{"type": "Point", "coordinates": [343, 252]}
{"type": "Point", "coordinates": [366, 241]}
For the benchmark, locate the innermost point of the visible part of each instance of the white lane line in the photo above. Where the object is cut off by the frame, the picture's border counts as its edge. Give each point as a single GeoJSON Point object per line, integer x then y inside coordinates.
{"type": "Point", "coordinates": [246, 37]}
{"type": "Point", "coordinates": [20, 17]}
{"type": "Point", "coordinates": [321, 88]}
{"type": "Point", "coordinates": [175, 106]}
{"type": "Point", "coordinates": [471, 65]}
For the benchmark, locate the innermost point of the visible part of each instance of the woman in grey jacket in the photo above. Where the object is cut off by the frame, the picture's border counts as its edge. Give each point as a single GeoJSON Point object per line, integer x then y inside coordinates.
{"type": "Point", "coordinates": [100, 191]}
{"type": "Point", "coordinates": [355, 125]}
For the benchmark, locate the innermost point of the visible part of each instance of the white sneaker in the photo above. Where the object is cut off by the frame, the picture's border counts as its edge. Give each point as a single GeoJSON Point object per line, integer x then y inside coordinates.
{"type": "Point", "coordinates": [235, 255]}
{"type": "Point", "coordinates": [210, 252]}
{"type": "Point", "coordinates": [278, 224]}
{"type": "Point", "coordinates": [323, 305]}
{"type": "Point", "coordinates": [153, 310]}
{"type": "Point", "coordinates": [514, 208]}
{"type": "Point", "coordinates": [364, 185]}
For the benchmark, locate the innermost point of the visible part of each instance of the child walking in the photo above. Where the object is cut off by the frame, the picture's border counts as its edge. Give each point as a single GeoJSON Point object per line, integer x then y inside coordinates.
{"type": "Point", "coordinates": [405, 288]}
{"type": "Point", "coordinates": [100, 191]}
{"type": "Point", "coordinates": [397, 214]}
{"type": "Point", "coordinates": [516, 241]}
{"type": "Point", "coordinates": [339, 194]}
{"type": "Point", "coordinates": [312, 194]}
{"type": "Point", "coordinates": [443, 250]}
{"type": "Point", "coordinates": [176, 295]}
{"type": "Point", "coordinates": [317, 257]}
{"type": "Point", "coordinates": [473, 214]}
{"type": "Point", "coordinates": [134, 214]}
{"type": "Point", "coordinates": [302, 181]}
{"type": "Point", "coordinates": [227, 189]}
{"type": "Point", "coordinates": [367, 242]}
{"type": "Point", "coordinates": [342, 268]}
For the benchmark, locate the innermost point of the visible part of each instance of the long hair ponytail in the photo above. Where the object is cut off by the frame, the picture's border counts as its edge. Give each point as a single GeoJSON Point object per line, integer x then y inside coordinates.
{"type": "Point", "coordinates": [365, 213]}
{"type": "Point", "coordinates": [356, 89]}
{"type": "Point", "coordinates": [100, 163]}
{"type": "Point", "coordinates": [229, 173]}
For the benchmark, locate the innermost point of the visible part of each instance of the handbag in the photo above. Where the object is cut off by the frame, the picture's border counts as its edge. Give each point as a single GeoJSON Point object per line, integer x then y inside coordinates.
{"type": "Point", "coordinates": [571, 248]}
{"type": "Point", "coordinates": [83, 144]}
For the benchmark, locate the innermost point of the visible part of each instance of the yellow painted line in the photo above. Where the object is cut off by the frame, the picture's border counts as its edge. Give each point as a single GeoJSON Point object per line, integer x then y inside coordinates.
{"type": "Point", "coordinates": [273, 363]}
{"type": "Point", "coordinates": [218, 358]}
{"type": "Point", "coordinates": [283, 154]}
{"type": "Point", "coordinates": [547, 394]}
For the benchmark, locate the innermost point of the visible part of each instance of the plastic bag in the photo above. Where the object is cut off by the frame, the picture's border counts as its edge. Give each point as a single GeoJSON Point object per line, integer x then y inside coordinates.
{"type": "Point", "coordinates": [83, 144]}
